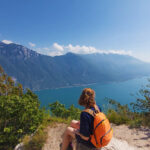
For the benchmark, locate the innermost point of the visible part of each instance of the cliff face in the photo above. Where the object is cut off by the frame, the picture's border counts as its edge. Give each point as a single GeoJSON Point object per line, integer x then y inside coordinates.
{"type": "Point", "coordinates": [15, 51]}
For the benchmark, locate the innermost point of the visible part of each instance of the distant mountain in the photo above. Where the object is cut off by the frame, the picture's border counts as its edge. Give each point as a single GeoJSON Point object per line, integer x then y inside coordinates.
{"type": "Point", "coordinates": [118, 67]}
{"type": "Point", "coordinates": [38, 71]}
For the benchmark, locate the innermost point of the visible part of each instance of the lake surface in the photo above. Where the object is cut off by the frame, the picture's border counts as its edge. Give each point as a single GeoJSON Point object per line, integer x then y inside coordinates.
{"type": "Point", "coordinates": [120, 91]}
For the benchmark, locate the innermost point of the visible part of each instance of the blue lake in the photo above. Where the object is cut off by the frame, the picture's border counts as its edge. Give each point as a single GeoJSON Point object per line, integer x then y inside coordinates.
{"type": "Point", "coordinates": [120, 91]}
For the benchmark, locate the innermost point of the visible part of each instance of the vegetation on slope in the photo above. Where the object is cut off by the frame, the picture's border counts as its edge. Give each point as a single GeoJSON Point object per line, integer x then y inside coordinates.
{"type": "Point", "coordinates": [137, 115]}
{"type": "Point", "coordinates": [20, 113]}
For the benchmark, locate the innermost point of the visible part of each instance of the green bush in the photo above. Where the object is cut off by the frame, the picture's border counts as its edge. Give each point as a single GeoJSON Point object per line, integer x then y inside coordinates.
{"type": "Point", "coordinates": [59, 110]}
{"type": "Point", "coordinates": [117, 118]}
{"type": "Point", "coordinates": [18, 116]}
{"type": "Point", "coordinates": [118, 114]}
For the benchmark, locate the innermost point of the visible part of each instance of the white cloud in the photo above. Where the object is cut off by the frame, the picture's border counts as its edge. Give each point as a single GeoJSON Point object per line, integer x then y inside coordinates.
{"type": "Point", "coordinates": [56, 50]}
{"type": "Point", "coordinates": [7, 41]}
{"type": "Point", "coordinates": [58, 47]}
{"type": "Point", "coordinates": [32, 44]}
{"type": "Point", "coordinates": [81, 49]}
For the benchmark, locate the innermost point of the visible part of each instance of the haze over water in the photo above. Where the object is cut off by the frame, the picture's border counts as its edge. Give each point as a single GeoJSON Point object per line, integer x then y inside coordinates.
{"type": "Point", "coordinates": [120, 91]}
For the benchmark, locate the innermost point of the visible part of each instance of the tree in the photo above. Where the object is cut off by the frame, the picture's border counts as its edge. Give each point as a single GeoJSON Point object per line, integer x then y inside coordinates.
{"type": "Point", "coordinates": [7, 85]}
{"type": "Point", "coordinates": [20, 113]}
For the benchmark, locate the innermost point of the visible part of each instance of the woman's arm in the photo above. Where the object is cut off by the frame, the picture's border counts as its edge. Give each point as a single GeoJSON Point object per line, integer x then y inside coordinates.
{"type": "Point", "coordinates": [82, 136]}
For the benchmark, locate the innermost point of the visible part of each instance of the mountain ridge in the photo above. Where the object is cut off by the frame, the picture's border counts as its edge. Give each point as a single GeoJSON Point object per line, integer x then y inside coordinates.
{"type": "Point", "coordinates": [37, 71]}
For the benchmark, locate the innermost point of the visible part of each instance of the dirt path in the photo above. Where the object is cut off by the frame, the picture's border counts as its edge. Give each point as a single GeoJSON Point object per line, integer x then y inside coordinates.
{"type": "Point", "coordinates": [124, 138]}
{"type": "Point", "coordinates": [139, 138]}
{"type": "Point", "coordinates": [54, 137]}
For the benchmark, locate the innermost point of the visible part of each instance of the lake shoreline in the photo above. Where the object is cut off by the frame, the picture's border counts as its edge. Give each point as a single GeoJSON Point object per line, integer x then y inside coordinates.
{"type": "Point", "coordinates": [88, 84]}
{"type": "Point", "coordinates": [64, 87]}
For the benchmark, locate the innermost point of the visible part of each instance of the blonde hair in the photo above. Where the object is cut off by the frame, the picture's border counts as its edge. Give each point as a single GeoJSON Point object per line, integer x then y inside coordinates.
{"type": "Point", "coordinates": [87, 98]}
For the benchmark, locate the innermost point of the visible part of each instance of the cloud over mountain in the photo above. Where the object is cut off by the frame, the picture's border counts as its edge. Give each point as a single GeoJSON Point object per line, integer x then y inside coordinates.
{"type": "Point", "coordinates": [57, 50]}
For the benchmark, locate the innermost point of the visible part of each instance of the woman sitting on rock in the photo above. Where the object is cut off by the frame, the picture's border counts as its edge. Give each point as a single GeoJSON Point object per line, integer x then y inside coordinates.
{"type": "Point", "coordinates": [81, 130]}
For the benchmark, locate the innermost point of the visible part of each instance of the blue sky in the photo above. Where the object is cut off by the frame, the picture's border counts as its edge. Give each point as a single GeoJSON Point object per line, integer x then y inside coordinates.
{"type": "Point", "coordinates": [56, 26]}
